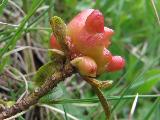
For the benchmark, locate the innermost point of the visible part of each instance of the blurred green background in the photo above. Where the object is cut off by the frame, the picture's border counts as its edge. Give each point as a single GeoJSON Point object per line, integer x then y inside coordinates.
{"type": "Point", "coordinates": [137, 39]}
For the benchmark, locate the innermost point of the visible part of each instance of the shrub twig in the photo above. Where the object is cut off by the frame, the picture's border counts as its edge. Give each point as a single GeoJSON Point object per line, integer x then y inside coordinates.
{"type": "Point", "coordinates": [65, 71]}
{"type": "Point", "coordinates": [100, 95]}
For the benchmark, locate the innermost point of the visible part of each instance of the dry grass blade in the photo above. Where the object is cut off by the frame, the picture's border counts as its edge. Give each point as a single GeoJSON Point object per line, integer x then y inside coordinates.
{"type": "Point", "coordinates": [59, 111]}
{"type": "Point", "coordinates": [133, 107]}
{"type": "Point", "coordinates": [33, 48]}
{"type": "Point", "coordinates": [8, 24]}
{"type": "Point", "coordinates": [23, 77]}
{"type": "Point", "coordinates": [14, 4]}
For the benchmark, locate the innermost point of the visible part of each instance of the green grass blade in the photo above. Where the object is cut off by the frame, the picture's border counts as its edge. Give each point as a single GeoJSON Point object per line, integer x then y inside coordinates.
{"type": "Point", "coordinates": [2, 6]}
{"type": "Point", "coordinates": [65, 113]}
{"type": "Point", "coordinates": [11, 44]}
{"type": "Point", "coordinates": [131, 83]}
{"type": "Point", "coordinates": [148, 115]}
{"type": "Point", "coordinates": [96, 100]}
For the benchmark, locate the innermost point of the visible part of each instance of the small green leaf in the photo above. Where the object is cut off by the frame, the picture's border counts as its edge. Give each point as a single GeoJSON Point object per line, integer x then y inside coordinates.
{"type": "Point", "coordinates": [45, 72]}
{"type": "Point", "coordinates": [55, 93]}
{"type": "Point", "coordinates": [59, 30]}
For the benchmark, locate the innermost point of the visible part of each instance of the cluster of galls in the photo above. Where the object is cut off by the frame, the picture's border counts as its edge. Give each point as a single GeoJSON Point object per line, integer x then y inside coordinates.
{"type": "Point", "coordinates": [87, 40]}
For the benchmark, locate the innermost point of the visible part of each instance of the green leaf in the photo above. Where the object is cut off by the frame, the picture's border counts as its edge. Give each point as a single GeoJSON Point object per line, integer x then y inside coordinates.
{"type": "Point", "coordinates": [55, 93]}
{"type": "Point", "coordinates": [149, 80]}
{"type": "Point", "coordinates": [45, 72]}
{"type": "Point", "coordinates": [2, 5]}
{"type": "Point", "coordinates": [3, 62]}
{"type": "Point", "coordinates": [59, 30]}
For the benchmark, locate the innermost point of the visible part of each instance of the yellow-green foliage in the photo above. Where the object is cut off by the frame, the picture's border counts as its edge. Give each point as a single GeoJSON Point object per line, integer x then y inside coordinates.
{"type": "Point", "coordinates": [59, 30]}
{"type": "Point", "coordinates": [45, 72]}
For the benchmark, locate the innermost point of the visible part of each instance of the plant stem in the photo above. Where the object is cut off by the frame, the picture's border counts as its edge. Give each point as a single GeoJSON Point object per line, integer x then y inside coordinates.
{"type": "Point", "coordinates": [33, 98]}
{"type": "Point", "coordinates": [101, 97]}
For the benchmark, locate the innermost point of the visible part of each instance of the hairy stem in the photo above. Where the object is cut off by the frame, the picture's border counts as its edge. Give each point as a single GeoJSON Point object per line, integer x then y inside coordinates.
{"type": "Point", "coordinates": [100, 96]}
{"type": "Point", "coordinates": [33, 98]}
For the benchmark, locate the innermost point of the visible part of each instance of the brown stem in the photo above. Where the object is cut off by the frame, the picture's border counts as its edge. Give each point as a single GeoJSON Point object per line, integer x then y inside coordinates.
{"type": "Point", "coordinates": [100, 96]}
{"type": "Point", "coordinates": [33, 98]}
{"type": "Point", "coordinates": [28, 55]}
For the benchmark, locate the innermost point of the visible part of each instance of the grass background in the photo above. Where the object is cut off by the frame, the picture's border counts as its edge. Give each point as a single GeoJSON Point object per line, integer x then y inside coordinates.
{"type": "Point", "coordinates": [137, 38]}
